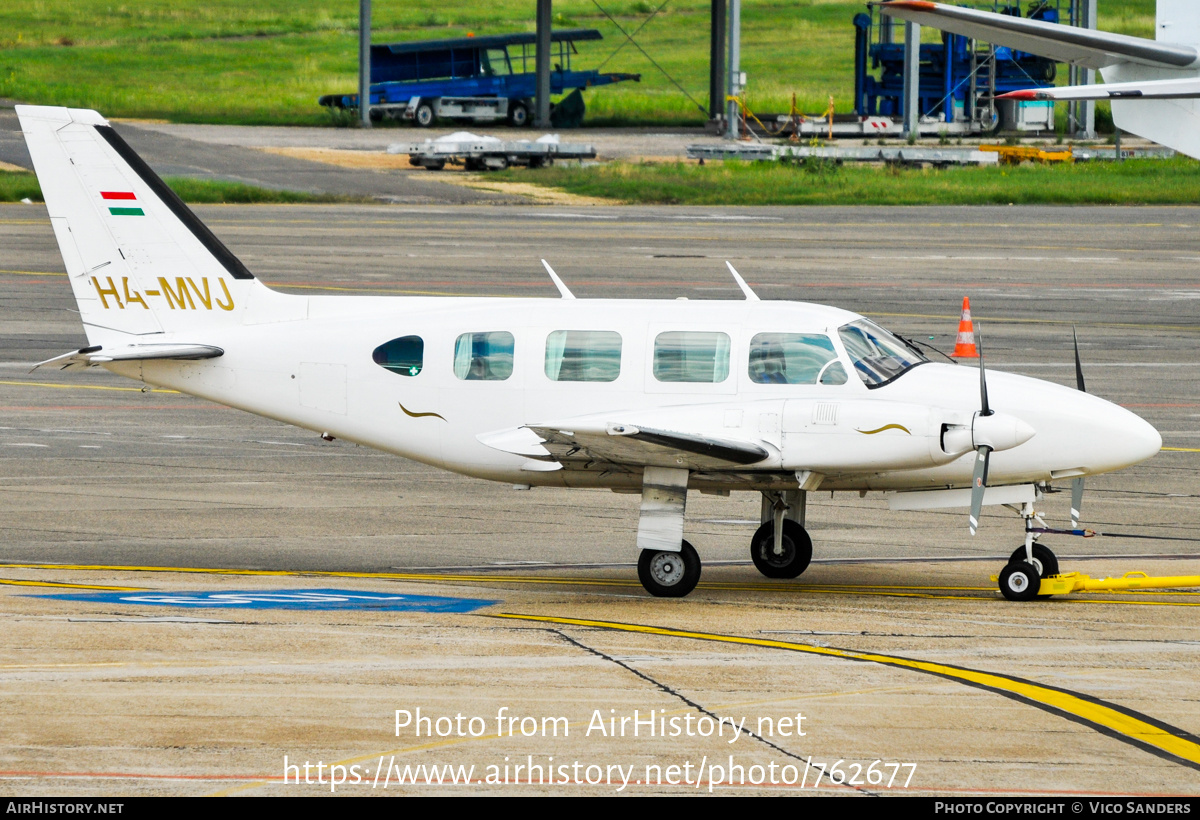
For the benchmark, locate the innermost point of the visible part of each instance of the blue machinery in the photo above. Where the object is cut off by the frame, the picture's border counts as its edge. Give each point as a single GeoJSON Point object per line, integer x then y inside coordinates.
{"type": "Point", "coordinates": [471, 78]}
{"type": "Point", "coordinates": [957, 77]}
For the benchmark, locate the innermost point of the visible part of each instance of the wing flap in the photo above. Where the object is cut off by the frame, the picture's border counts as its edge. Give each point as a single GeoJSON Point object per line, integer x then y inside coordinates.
{"type": "Point", "coordinates": [625, 445]}
{"type": "Point", "coordinates": [1064, 44]}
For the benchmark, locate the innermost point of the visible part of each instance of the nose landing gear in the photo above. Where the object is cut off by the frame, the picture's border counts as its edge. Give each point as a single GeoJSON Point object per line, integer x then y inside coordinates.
{"type": "Point", "coordinates": [1021, 579]}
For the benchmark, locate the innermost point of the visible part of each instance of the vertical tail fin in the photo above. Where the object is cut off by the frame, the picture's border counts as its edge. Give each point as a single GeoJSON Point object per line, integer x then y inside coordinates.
{"type": "Point", "coordinates": [1178, 21]}
{"type": "Point", "coordinates": [139, 261]}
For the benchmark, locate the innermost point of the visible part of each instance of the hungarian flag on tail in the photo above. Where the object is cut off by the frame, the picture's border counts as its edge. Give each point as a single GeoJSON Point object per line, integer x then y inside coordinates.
{"type": "Point", "coordinates": [122, 209]}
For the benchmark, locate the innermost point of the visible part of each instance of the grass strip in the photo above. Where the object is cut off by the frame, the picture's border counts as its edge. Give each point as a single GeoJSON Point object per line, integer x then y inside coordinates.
{"type": "Point", "coordinates": [267, 61]}
{"type": "Point", "coordinates": [1133, 182]}
{"type": "Point", "coordinates": [18, 185]}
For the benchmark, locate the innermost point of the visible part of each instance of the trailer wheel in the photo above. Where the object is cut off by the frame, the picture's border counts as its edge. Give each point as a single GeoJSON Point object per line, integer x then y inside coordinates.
{"type": "Point", "coordinates": [518, 115]}
{"type": "Point", "coordinates": [424, 115]}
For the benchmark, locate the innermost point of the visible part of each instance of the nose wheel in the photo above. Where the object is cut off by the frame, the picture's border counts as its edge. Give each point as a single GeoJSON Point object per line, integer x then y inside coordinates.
{"type": "Point", "coordinates": [1044, 560]}
{"type": "Point", "coordinates": [669, 574]}
{"type": "Point", "coordinates": [1019, 581]}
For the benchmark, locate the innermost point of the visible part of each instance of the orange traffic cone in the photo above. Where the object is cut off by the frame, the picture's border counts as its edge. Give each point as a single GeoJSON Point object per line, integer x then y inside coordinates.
{"type": "Point", "coordinates": [964, 346]}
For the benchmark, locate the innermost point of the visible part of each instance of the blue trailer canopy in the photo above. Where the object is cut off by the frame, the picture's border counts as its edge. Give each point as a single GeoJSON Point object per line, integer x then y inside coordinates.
{"type": "Point", "coordinates": [498, 66]}
{"type": "Point", "coordinates": [456, 57]}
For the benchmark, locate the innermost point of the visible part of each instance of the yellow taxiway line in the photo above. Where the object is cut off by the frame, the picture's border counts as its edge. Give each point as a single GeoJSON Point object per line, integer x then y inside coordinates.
{"type": "Point", "coordinates": [941, 593]}
{"type": "Point", "coordinates": [1116, 721]}
{"type": "Point", "coordinates": [15, 583]}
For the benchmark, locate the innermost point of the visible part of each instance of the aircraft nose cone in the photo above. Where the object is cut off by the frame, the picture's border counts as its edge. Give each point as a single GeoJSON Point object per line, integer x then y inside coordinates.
{"type": "Point", "coordinates": [1144, 440]}
{"type": "Point", "coordinates": [1123, 438]}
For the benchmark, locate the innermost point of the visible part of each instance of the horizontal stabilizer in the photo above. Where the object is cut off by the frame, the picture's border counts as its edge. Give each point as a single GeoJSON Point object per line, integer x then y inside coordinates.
{"type": "Point", "coordinates": [1182, 89]}
{"type": "Point", "coordinates": [1064, 44]}
{"type": "Point", "coordinates": [98, 355]}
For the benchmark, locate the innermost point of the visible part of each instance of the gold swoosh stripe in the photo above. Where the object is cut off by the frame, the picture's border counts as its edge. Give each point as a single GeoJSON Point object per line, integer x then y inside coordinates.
{"type": "Point", "coordinates": [885, 427]}
{"type": "Point", "coordinates": [411, 414]}
{"type": "Point", "coordinates": [1110, 719]}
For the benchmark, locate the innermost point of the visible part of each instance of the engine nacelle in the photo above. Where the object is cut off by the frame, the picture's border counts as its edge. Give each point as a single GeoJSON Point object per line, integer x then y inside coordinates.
{"type": "Point", "coordinates": [997, 431]}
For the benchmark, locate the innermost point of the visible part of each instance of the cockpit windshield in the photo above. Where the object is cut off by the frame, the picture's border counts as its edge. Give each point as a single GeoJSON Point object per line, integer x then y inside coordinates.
{"type": "Point", "coordinates": [878, 356]}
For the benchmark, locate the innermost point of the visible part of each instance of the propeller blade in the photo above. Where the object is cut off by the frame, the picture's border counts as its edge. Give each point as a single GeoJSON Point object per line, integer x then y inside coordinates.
{"type": "Point", "coordinates": [1078, 367]}
{"type": "Point", "coordinates": [978, 485]}
{"type": "Point", "coordinates": [984, 409]}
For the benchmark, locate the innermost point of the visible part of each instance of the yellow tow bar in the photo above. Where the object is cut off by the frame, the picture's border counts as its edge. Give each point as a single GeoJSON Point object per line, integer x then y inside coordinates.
{"type": "Point", "coordinates": [1075, 582]}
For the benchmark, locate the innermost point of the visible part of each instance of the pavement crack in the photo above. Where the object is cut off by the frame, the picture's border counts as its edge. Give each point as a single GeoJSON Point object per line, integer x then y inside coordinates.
{"type": "Point", "coordinates": [693, 704]}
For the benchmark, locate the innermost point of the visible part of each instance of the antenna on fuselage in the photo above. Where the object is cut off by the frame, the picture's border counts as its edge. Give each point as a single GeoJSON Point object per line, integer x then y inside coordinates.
{"type": "Point", "coordinates": [558, 283]}
{"type": "Point", "coordinates": [751, 296]}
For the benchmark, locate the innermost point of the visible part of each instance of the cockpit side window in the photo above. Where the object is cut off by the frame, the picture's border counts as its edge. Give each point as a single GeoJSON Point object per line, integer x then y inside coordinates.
{"type": "Point", "coordinates": [404, 356]}
{"type": "Point", "coordinates": [879, 357]}
{"type": "Point", "coordinates": [691, 356]}
{"type": "Point", "coordinates": [792, 358]}
{"type": "Point", "coordinates": [484, 356]}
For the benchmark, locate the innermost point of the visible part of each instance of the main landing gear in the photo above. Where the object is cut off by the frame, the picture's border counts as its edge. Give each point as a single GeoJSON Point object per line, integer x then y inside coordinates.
{"type": "Point", "coordinates": [669, 567]}
{"type": "Point", "coordinates": [1021, 579]}
{"type": "Point", "coordinates": [669, 574]}
{"type": "Point", "coordinates": [781, 547]}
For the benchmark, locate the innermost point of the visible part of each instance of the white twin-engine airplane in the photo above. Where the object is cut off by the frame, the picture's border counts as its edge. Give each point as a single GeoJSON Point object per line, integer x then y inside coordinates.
{"type": "Point", "coordinates": [656, 397]}
{"type": "Point", "coordinates": [1151, 84]}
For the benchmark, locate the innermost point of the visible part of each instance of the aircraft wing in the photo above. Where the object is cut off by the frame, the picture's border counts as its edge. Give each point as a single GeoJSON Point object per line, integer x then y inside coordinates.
{"type": "Point", "coordinates": [625, 445]}
{"type": "Point", "coordinates": [1186, 88]}
{"type": "Point", "coordinates": [1064, 44]}
{"type": "Point", "coordinates": [97, 355]}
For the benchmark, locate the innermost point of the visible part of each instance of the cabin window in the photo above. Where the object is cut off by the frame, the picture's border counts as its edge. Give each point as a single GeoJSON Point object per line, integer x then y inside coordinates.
{"type": "Point", "coordinates": [484, 356]}
{"type": "Point", "coordinates": [404, 356]}
{"type": "Point", "coordinates": [691, 356]}
{"type": "Point", "coordinates": [794, 358]}
{"type": "Point", "coordinates": [583, 356]}
{"type": "Point", "coordinates": [878, 356]}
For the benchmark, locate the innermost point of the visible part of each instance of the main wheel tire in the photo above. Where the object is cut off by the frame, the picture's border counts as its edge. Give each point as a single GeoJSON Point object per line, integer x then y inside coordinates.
{"type": "Point", "coordinates": [1045, 560]}
{"type": "Point", "coordinates": [1020, 581]}
{"type": "Point", "coordinates": [424, 116]}
{"type": "Point", "coordinates": [669, 574]}
{"type": "Point", "coordinates": [518, 115]}
{"type": "Point", "coordinates": [797, 550]}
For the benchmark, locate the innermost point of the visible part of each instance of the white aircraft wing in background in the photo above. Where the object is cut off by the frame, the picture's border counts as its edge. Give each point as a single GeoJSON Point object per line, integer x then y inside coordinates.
{"type": "Point", "coordinates": [1151, 84]}
{"type": "Point", "coordinates": [1063, 44]}
{"type": "Point", "coordinates": [1184, 89]}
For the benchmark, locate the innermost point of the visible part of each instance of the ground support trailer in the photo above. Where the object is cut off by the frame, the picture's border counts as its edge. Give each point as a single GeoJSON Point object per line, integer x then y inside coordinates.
{"type": "Point", "coordinates": [958, 79]}
{"type": "Point", "coordinates": [471, 79]}
{"type": "Point", "coordinates": [477, 153]}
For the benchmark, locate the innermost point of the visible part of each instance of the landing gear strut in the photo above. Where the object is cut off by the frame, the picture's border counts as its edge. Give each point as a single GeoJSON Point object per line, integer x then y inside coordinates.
{"type": "Point", "coordinates": [781, 547]}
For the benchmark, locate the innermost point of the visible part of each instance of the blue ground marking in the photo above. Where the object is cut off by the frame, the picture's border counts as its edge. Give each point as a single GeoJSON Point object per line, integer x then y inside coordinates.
{"type": "Point", "coordinates": [283, 599]}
